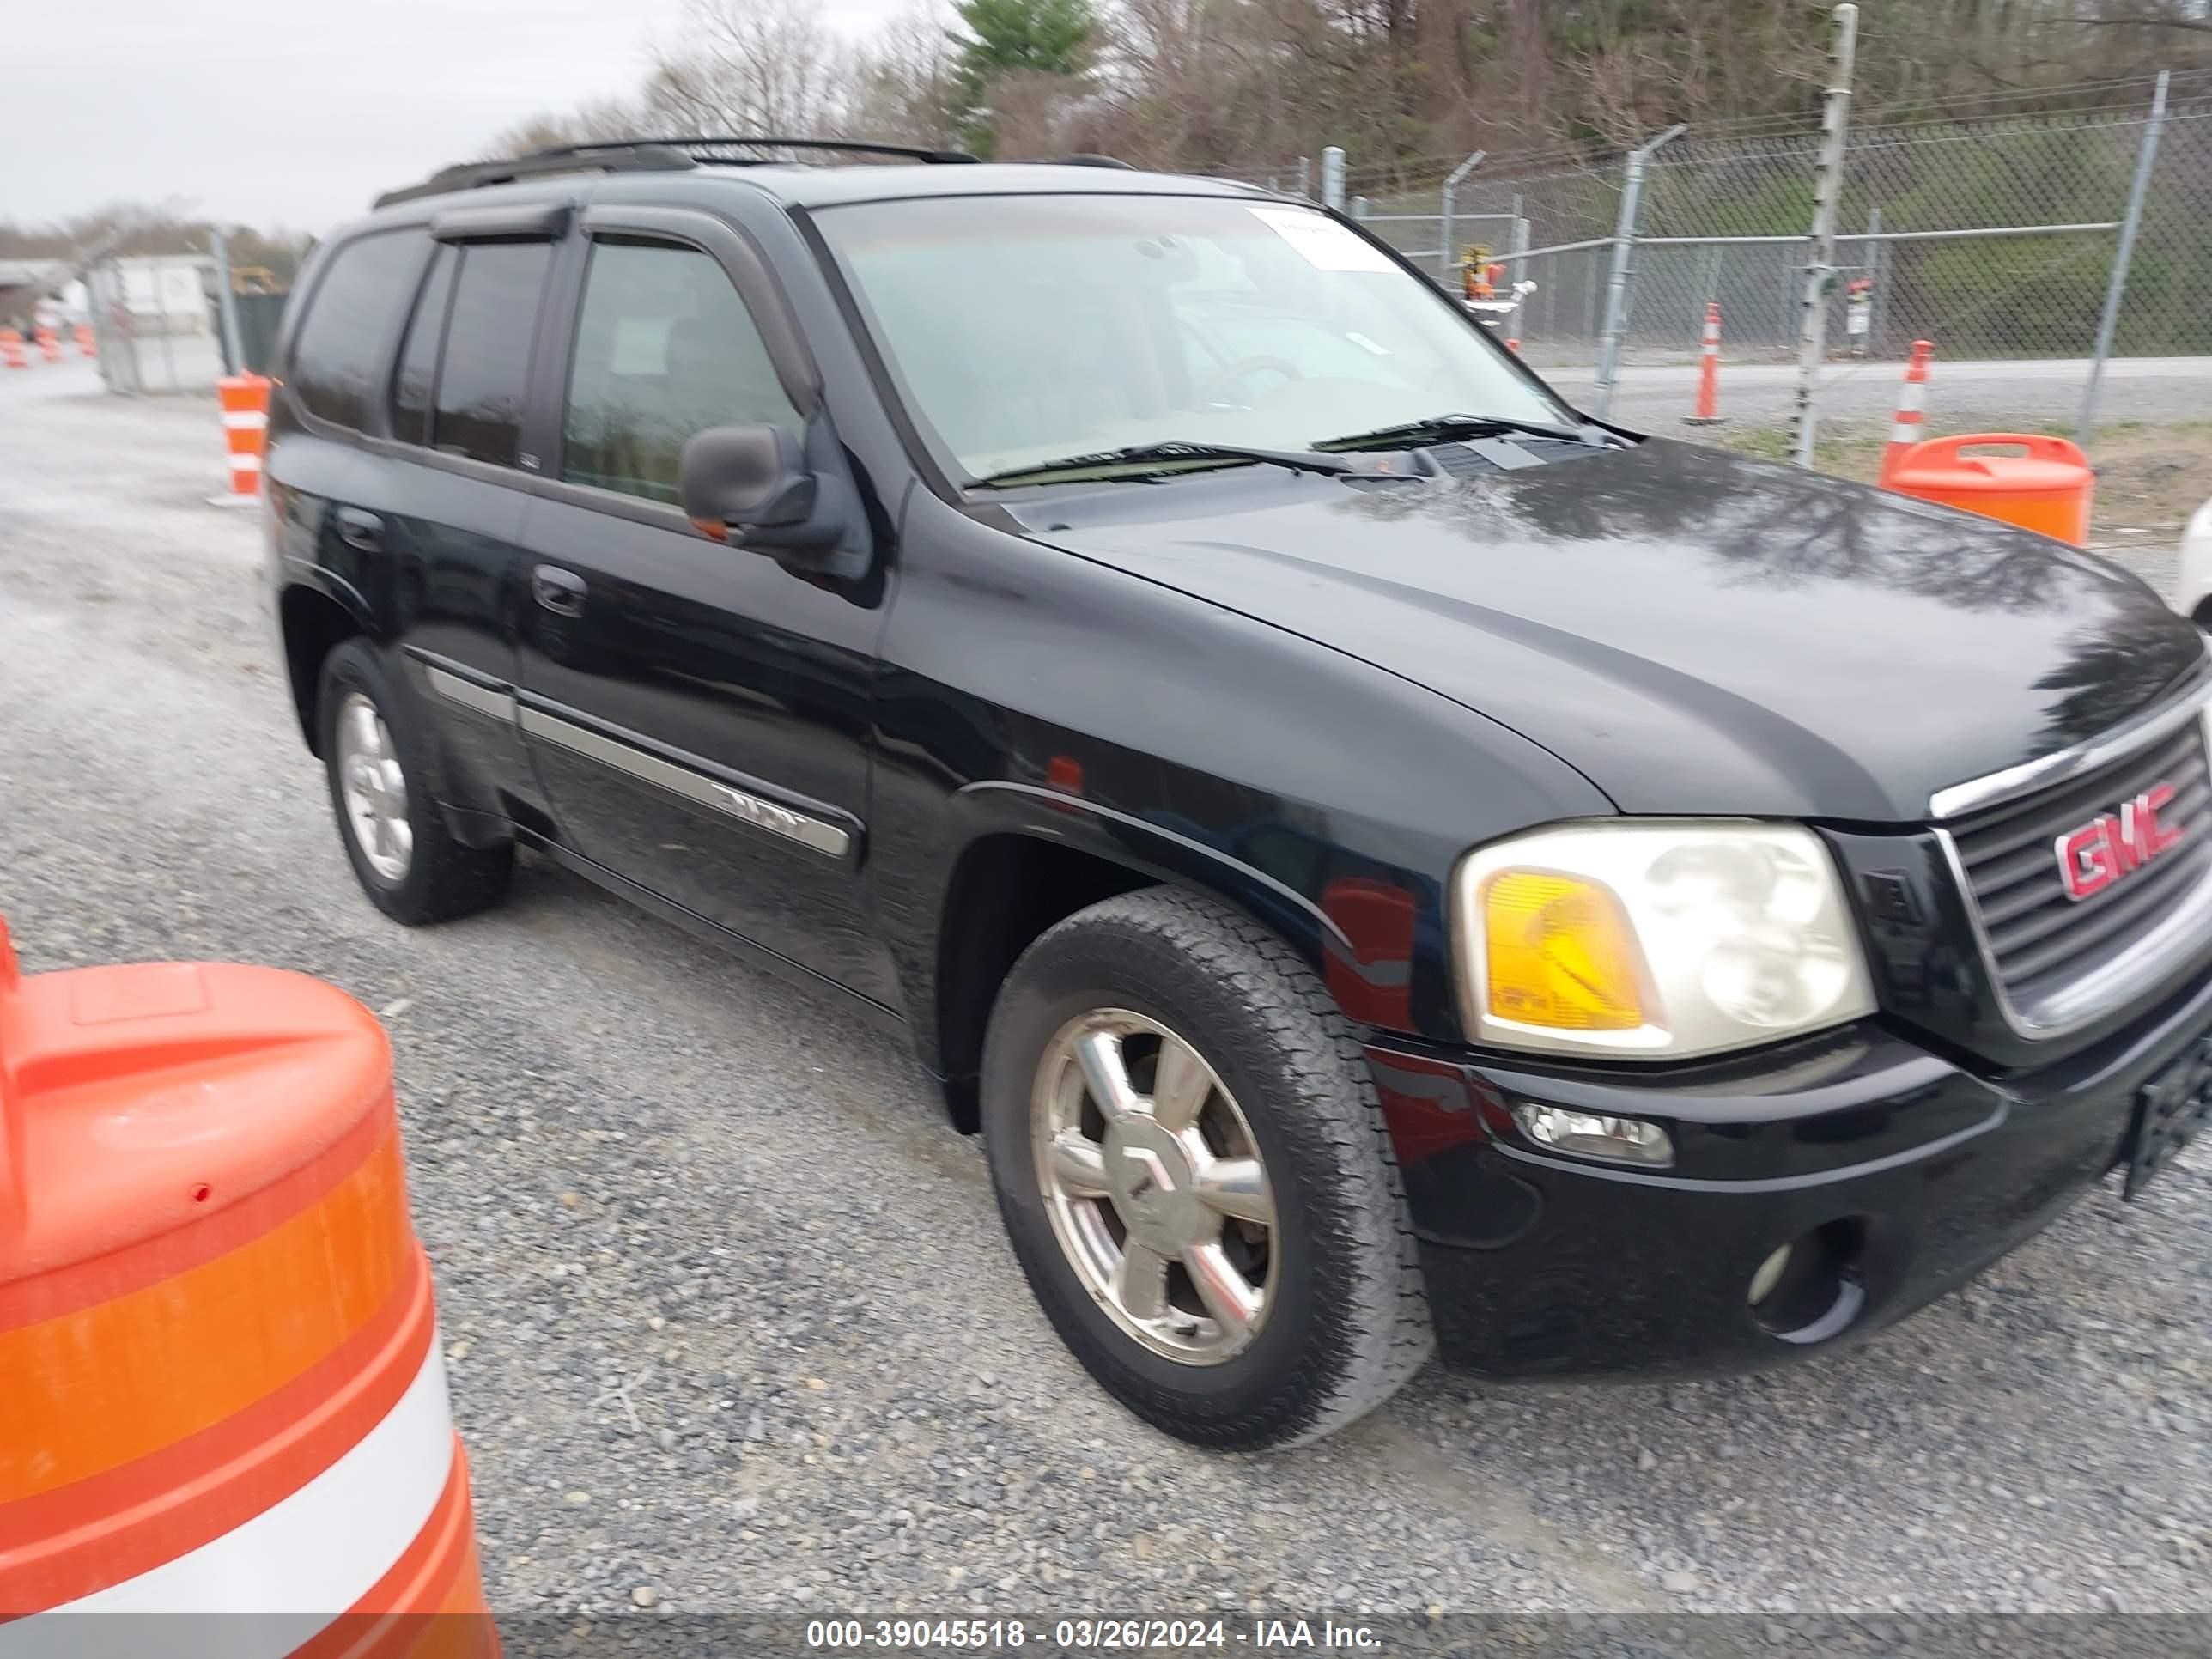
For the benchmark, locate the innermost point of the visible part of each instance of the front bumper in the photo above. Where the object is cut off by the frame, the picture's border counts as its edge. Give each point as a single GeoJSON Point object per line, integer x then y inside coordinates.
{"type": "Point", "coordinates": [1895, 1172]}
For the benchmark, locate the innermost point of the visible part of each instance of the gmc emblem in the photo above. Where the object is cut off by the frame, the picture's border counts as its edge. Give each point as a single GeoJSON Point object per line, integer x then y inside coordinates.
{"type": "Point", "coordinates": [2099, 853]}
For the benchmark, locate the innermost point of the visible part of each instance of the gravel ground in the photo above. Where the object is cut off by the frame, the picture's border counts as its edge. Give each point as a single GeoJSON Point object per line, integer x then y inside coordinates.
{"type": "Point", "coordinates": [730, 1321]}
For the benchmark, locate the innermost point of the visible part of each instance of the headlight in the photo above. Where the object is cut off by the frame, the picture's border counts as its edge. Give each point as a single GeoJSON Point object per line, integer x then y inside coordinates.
{"type": "Point", "coordinates": [1662, 939]}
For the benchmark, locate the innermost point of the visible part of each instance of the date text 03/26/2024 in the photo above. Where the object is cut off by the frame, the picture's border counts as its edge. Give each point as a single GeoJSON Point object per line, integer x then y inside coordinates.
{"type": "Point", "coordinates": [1089, 1635]}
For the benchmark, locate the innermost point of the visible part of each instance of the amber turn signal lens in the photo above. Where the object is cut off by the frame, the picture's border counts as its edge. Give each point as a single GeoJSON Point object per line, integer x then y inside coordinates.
{"type": "Point", "coordinates": [1559, 954]}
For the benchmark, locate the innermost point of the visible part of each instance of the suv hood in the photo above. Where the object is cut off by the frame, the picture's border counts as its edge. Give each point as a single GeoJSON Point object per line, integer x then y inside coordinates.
{"type": "Point", "coordinates": [1696, 632]}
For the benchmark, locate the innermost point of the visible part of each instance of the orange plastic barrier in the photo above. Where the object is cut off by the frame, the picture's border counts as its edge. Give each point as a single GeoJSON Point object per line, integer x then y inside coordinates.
{"type": "Point", "coordinates": [11, 350]}
{"type": "Point", "coordinates": [2049, 486]}
{"type": "Point", "coordinates": [224, 1395]}
{"type": "Point", "coordinates": [245, 431]}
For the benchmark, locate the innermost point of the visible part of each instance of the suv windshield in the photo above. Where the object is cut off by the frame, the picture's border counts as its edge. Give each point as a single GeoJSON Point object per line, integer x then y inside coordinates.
{"type": "Point", "coordinates": [1025, 329]}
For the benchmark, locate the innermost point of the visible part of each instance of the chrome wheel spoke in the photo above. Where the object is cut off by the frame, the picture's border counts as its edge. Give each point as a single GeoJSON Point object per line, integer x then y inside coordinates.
{"type": "Point", "coordinates": [1078, 1164]}
{"type": "Point", "coordinates": [1180, 1083]}
{"type": "Point", "coordinates": [1237, 1186]}
{"type": "Point", "coordinates": [1138, 1203]}
{"type": "Point", "coordinates": [1228, 1295]}
{"type": "Point", "coordinates": [367, 742]}
{"type": "Point", "coordinates": [374, 783]}
{"type": "Point", "coordinates": [1106, 1074]}
{"type": "Point", "coordinates": [1141, 1283]}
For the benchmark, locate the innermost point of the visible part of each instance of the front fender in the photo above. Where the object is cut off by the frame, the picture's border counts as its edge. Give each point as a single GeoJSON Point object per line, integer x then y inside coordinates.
{"type": "Point", "coordinates": [1030, 690]}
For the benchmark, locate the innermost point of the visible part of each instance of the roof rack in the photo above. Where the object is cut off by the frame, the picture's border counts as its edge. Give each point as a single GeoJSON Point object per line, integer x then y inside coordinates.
{"type": "Point", "coordinates": [728, 141]}
{"type": "Point", "coordinates": [641, 155]}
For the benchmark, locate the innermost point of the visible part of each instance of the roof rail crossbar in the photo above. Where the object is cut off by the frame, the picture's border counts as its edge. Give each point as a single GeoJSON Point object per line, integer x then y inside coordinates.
{"type": "Point", "coordinates": [643, 157]}
{"type": "Point", "coordinates": [856, 147]}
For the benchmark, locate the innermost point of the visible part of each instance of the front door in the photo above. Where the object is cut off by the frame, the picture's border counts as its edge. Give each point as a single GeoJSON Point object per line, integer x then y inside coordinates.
{"type": "Point", "coordinates": [700, 713]}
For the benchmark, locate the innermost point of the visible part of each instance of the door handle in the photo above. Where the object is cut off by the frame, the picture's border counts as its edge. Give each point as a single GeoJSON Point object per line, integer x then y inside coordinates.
{"type": "Point", "coordinates": [561, 591]}
{"type": "Point", "coordinates": [363, 532]}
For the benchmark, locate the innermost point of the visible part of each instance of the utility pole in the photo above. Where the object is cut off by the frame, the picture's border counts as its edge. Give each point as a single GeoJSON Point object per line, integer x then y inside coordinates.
{"type": "Point", "coordinates": [233, 354]}
{"type": "Point", "coordinates": [1820, 251]}
{"type": "Point", "coordinates": [2086, 429]}
{"type": "Point", "coordinates": [1616, 284]}
{"type": "Point", "coordinates": [1444, 210]}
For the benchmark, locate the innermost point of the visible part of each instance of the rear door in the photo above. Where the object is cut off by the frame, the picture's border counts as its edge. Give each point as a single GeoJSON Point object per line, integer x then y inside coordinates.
{"type": "Point", "coordinates": [459, 393]}
{"type": "Point", "coordinates": [699, 712]}
{"type": "Point", "coordinates": [399, 477]}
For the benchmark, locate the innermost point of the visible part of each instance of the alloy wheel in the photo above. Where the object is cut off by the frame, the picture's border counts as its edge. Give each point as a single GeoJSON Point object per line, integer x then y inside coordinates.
{"type": "Point", "coordinates": [1154, 1186]}
{"type": "Point", "coordinates": [374, 787]}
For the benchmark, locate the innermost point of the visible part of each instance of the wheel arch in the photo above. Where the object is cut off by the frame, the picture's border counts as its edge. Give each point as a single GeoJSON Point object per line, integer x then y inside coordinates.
{"type": "Point", "coordinates": [1033, 857]}
{"type": "Point", "coordinates": [314, 624]}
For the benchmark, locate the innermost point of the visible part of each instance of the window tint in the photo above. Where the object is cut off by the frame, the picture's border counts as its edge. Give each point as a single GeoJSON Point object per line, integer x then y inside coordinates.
{"type": "Point", "coordinates": [664, 348]}
{"type": "Point", "coordinates": [338, 359]}
{"type": "Point", "coordinates": [418, 353]}
{"type": "Point", "coordinates": [486, 365]}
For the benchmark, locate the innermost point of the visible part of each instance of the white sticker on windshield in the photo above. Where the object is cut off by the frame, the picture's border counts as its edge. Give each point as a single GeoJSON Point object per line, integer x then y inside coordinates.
{"type": "Point", "coordinates": [1322, 243]}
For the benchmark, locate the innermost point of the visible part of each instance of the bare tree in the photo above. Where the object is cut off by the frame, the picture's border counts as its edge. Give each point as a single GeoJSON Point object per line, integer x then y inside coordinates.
{"type": "Point", "coordinates": [904, 86]}
{"type": "Point", "coordinates": [1405, 86]}
{"type": "Point", "coordinates": [604, 121]}
{"type": "Point", "coordinates": [753, 66]}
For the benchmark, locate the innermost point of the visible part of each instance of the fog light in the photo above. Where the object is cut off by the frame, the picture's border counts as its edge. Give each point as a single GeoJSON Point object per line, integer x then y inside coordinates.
{"type": "Point", "coordinates": [1624, 1140]}
{"type": "Point", "coordinates": [1768, 1276]}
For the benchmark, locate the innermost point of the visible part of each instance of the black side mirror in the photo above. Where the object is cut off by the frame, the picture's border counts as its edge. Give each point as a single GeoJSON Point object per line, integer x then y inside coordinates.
{"type": "Point", "coordinates": [756, 487]}
{"type": "Point", "coordinates": [741, 479]}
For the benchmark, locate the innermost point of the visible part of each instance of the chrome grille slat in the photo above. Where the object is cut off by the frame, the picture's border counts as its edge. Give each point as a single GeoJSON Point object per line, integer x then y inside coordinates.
{"type": "Point", "coordinates": [2039, 943]}
{"type": "Point", "coordinates": [2024, 897]}
{"type": "Point", "coordinates": [2030, 954]}
{"type": "Point", "coordinates": [1995, 834]}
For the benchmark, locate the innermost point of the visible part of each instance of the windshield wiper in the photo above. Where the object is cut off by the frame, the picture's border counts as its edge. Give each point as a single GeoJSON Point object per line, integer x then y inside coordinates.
{"type": "Point", "coordinates": [1443, 429]}
{"type": "Point", "coordinates": [1298, 460]}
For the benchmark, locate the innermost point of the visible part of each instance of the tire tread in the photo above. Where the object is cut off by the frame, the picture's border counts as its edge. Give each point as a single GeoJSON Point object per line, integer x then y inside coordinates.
{"type": "Point", "coordinates": [1385, 1311]}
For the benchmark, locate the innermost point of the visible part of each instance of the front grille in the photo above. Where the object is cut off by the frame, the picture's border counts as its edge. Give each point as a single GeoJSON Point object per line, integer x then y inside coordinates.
{"type": "Point", "coordinates": [2039, 940]}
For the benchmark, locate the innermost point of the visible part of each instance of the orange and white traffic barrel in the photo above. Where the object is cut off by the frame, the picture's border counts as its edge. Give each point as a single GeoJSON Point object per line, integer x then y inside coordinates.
{"type": "Point", "coordinates": [50, 347]}
{"type": "Point", "coordinates": [86, 345]}
{"type": "Point", "coordinates": [1911, 411]}
{"type": "Point", "coordinates": [1708, 370]}
{"type": "Point", "coordinates": [245, 431]}
{"type": "Point", "coordinates": [11, 350]}
{"type": "Point", "coordinates": [225, 1403]}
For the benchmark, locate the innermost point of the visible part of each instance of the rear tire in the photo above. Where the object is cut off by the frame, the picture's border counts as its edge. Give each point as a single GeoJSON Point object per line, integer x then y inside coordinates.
{"type": "Point", "coordinates": [409, 864]}
{"type": "Point", "coordinates": [1335, 1320]}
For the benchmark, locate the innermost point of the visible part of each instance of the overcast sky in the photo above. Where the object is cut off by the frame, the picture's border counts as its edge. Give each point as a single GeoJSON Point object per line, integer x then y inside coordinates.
{"type": "Point", "coordinates": [297, 112]}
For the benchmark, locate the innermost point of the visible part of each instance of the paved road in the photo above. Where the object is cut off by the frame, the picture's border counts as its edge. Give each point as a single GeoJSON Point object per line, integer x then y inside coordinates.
{"type": "Point", "coordinates": [1998, 394]}
{"type": "Point", "coordinates": [731, 1320]}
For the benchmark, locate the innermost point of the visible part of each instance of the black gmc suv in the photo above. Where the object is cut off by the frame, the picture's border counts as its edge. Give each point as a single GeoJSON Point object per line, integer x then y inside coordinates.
{"type": "Point", "coordinates": [1386, 862]}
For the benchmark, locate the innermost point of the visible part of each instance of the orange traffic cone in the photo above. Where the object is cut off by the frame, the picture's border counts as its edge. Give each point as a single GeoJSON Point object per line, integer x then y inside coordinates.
{"type": "Point", "coordinates": [246, 430]}
{"type": "Point", "coordinates": [1911, 407]}
{"type": "Point", "coordinates": [1708, 370]}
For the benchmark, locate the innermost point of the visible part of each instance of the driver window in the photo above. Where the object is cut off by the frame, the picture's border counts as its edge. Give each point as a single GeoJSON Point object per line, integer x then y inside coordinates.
{"type": "Point", "coordinates": [664, 348]}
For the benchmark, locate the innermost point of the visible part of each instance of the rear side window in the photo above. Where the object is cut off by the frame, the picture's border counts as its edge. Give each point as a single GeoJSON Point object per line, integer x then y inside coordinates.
{"type": "Point", "coordinates": [486, 367]}
{"type": "Point", "coordinates": [338, 359]}
{"type": "Point", "coordinates": [664, 348]}
{"type": "Point", "coordinates": [418, 352]}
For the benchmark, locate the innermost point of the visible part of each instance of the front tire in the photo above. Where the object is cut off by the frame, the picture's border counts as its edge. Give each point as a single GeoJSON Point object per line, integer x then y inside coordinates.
{"type": "Point", "coordinates": [407, 860]}
{"type": "Point", "coordinates": [1193, 1167]}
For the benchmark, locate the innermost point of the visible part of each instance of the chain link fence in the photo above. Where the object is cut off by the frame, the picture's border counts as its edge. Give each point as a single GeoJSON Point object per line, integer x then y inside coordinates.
{"type": "Point", "coordinates": [1996, 234]}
